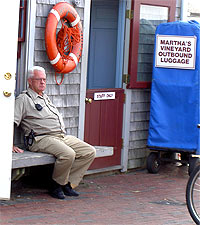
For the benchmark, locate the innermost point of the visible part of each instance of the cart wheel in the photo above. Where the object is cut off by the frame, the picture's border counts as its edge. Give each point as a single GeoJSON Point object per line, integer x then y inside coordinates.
{"type": "Point", "coordinates": [193, 163]}
{"type": "Point", "coordinates": [153, 162]}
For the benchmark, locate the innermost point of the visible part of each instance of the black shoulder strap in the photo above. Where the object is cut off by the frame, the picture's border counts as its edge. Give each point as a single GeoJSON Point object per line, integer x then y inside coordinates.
{"type": "Point", "coordinates": [28, 94]}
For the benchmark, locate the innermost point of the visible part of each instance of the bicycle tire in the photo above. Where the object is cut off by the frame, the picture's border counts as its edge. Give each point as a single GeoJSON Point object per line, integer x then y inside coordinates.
{"type": "Point", "coordinates": [192, 191]}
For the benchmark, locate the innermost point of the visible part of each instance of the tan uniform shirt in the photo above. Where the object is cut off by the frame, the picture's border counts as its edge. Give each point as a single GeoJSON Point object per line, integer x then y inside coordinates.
{"type": "Point", "coordinates": [46, 121]}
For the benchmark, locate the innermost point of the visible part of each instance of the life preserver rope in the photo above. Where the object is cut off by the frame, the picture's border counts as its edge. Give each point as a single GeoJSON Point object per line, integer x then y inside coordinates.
{"type": "Point", "coordinates": [64, 52]}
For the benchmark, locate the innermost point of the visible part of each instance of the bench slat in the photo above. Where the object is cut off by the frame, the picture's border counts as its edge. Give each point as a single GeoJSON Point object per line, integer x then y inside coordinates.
{"type": "Point", "coordinates": [27, 159]}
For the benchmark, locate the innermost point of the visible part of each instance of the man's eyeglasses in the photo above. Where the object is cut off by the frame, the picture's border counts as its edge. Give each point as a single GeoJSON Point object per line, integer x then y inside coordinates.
{"type": "Point", "coordinates": [40, 79]}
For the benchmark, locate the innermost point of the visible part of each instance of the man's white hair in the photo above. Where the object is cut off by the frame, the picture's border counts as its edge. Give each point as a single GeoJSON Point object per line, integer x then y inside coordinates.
{"type": "Point", "coordinates": [32, 69]}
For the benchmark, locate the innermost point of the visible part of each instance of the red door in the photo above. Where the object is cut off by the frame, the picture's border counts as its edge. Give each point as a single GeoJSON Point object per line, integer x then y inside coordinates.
{"type": "Point", "coordinates": [103, 123]}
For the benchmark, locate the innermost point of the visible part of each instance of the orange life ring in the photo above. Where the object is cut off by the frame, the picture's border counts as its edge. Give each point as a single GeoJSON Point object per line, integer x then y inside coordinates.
{"type": "Point", "coordinates": [62, 10]}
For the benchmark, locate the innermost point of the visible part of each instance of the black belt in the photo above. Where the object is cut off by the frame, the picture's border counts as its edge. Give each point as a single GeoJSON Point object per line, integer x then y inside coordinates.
{"type": "Point", "coordinates": [36, 135]}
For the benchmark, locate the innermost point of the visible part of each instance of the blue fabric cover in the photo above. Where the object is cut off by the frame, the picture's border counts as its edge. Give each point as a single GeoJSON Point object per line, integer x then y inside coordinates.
{"type": "Point", "coordinates": [174, 112]}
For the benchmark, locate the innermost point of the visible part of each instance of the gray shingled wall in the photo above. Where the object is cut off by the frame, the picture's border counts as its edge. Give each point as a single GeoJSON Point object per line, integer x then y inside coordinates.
{"type": "Point", "coordinates": [65, 96]}
{"type": "Point", "coordinates": [139, 123]}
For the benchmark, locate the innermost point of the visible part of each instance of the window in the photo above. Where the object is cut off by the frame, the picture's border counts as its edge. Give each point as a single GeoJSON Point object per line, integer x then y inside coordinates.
{"type": "Point", "coordinates": [148, 14]}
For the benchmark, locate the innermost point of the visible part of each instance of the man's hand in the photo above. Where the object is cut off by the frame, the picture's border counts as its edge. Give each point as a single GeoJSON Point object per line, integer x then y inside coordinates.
{"type": "Point", "coordinates": [17, 150]}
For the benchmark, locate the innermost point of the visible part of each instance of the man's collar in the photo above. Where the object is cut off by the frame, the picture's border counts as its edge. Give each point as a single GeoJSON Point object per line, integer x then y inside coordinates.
{"type": "Point", "coordinates": [33, 94]}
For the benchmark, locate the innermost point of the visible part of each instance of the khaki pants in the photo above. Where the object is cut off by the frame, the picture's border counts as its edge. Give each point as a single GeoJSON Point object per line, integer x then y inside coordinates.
{"type": "Point", "coordinates": [73, 156]}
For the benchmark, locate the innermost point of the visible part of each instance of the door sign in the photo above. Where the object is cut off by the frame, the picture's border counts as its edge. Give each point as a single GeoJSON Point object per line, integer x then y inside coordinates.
{"type": "Point", "coordinates": [104, 95]}
{"type": "Point", "coordinates": [175, 51]}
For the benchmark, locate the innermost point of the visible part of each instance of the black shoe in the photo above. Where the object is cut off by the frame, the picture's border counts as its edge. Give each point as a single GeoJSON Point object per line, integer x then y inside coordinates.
{"type": "Point", "coordinates": [57, 193]}
{"type": "Point", "coordinates": [67, 189]}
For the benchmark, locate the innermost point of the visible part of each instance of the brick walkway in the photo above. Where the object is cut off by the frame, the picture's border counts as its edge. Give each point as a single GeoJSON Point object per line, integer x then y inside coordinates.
{"type": "Point", "coordinates": [135, 198]}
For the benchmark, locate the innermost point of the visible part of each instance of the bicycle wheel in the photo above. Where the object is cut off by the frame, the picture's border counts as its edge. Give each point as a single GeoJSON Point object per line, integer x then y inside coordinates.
{"type": "Point", "coordinates": [193, 195]}
{"type": "Point", "coordinates": [153, 162]}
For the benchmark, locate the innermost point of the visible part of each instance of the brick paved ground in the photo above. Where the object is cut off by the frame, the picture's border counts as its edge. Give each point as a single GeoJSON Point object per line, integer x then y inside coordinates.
{"type": "Point", "coordinates": [134, 198]}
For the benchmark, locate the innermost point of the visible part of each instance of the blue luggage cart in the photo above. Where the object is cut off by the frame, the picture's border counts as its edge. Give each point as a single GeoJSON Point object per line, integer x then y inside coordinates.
{"type": "Point", "coordinates": [175, 95]}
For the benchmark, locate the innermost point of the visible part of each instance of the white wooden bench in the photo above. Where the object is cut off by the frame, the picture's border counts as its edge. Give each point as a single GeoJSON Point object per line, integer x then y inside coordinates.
{"type": "Point", "coordinates": [28, 159]}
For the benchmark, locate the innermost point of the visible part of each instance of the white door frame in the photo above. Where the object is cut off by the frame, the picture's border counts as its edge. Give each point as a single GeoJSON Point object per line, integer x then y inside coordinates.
{"type": "Point", "coordinates": [83, 85]}
{"type": "Point", "coordinates": [30, 36]}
